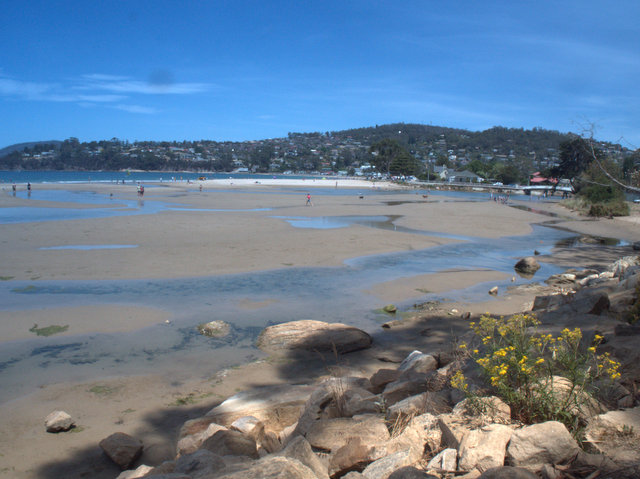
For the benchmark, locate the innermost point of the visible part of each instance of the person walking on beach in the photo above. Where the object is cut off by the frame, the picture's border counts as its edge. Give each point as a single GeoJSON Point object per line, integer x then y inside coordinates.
{"type": "Point", "coordinates": [309, 200]}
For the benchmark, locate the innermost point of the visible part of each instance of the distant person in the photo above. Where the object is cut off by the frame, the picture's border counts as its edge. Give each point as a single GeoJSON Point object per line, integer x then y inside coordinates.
{"type": "Point", "coordinates": [13, 187]}
{"type": "Point", "coordinates": [28, 186]}
{"type": "Point", "coordinates": [309, 200]}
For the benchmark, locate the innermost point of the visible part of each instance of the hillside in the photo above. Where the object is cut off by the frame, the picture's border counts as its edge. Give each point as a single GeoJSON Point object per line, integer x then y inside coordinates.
{"type": "Point", "coordinates": [498, 152]}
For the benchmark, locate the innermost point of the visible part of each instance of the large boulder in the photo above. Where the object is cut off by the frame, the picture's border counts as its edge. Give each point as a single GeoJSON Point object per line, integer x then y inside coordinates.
{"type": "Point", "coordinates": [231, 443]}
{"type": "Point", "coordinates": [276, 406]}
{"type": "Point", "coordinates": [300, 450]}
{"type": "Point", "coordinates": [58, 421]}
{"type": "Point", "coordinates": [507, 472]}
{"type": "Point", "coordinates": [527, 266]}
{"type": "Point", "coordinates": [546, 443]}
{"type": "Point", "coordinates": [383, 468]}
{"type": "Point", "coordinates": [616, 434]}
{"type": "Point", "coordinates": [427, 402]}
{"type": "Point", "coordinates": [419, 363]}
{"type": "Point", "coordinates": [309, 335]}
{"type": "Point", "coordinates": [192, 442]}
{"type": "Point", "coordinates": [331, 434]}
{"type": "Point", "coordinates": [122, 449]}
{"type": "Point", "coordinates": [422, 433]}
{"type": "Point", "coordinates": [271, 467]}
{"type": "Point", "coordinates": [484, 448]}
{"type": "Point", "coordinates": [199, 464]}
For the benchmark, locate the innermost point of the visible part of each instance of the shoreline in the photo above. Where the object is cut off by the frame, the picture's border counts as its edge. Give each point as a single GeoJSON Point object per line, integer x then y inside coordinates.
{"type": "Point", "coordinates": [141, 404]}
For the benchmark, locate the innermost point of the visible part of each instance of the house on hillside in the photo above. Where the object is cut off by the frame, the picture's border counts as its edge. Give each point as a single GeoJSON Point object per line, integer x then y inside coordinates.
{"type": "Point", "coordinates": [441, 172]}
{"type": "Point", "coordinates": [465, 176]}
{"type": "Point", "coordinates": [538, 180]}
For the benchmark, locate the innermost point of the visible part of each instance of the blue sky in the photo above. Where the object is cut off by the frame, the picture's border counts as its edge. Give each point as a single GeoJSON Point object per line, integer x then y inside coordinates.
{"type": "Point", "coordinates": [241, 70]}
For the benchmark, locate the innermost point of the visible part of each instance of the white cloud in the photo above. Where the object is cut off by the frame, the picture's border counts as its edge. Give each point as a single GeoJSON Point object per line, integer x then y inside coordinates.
{"type": "Point", "coordinates": [136, 109]}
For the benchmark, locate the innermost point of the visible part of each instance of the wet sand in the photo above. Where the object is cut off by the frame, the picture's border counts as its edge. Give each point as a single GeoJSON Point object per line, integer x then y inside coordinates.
{"type": "Point", "coordinates": [199, 243]}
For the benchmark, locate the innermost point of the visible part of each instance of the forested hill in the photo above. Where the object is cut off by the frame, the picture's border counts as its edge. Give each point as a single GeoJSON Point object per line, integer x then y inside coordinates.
{"type": "Point", "coordinates": [490, 151]}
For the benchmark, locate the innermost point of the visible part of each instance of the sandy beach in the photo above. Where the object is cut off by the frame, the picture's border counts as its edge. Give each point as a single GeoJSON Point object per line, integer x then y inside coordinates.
{"type": "Point", "coordinates": [230, 227]}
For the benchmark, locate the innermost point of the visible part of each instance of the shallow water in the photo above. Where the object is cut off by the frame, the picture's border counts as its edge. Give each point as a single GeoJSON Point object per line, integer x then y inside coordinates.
{"type": "Point", "coordinates": [333, 294]}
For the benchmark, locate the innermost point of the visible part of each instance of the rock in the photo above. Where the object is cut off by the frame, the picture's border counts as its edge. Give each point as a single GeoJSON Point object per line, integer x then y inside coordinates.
{"type": "Point", "coordinates": [192, 442]}
{"type": "Point", "coordinates": [453, 427]}
{"type": "Point", "coordinates": [601, 304]}
{"type": "Point", "coordinates": [427, 402]}
{"type": "Point", "coordinates": [354, 455]}
{"type": "Point", "coordinates": [122, 449]}
{"type": "Point", "coordinates": [140, 471]}
{"type": "Point", "coordinates": [492, 408]}
{"type": "Point", "coordinates": [493, 291]}
{"type": "Point", "coordinates": [231, 443]}
{"type": "Point", "coordinates": [323, 396]}
{"type": "Point", "coordinates": [446, 460]}
{"type": "Point", "coordinates": [382, 377]}
{"type": "Point", "coordinates": [410, 472]}
{"type": "Point", "coordinates": [507, 472]}
{"type": "Point", "coordinates": [528, 265]}
{"type": "Point", "coordinates": [214, 329]}
{"type": "Point", "coordinates": [390, 308]}
{"type": "Point", "coordinates": [616, 434]}
{"type": "Point", "coordinates": [200, 464]}
{"type": "Point", "coordinates": [312, 335]}
{"type": "Point", "coordinates": [271, 467]}
{"type": "Point", "coordinates": [383, 468]}
{"type": "Point", "coordinates": [582, 405]}
{"type": "Point", "coordinates": [546, 443]}
{"type": "Point", "coordinates": [300, 449]}
{"type": "Point", "coordinates": [422, 433]}
{"type": "Point", "coordinates": [484, 448]}
{"type": "Point", "coordinates": [356, 401]}
{"type": "Point", "coordinates": [250, 426]}
{"type": "Point", "coordinates": [636, 246]}
{"type": "Point", "coordinates": [271, 442]}
{"type": "Point", "coordinates": [404, 388]}
{"type": "Point", "coordinates": [58, 421]}
{"type": "Point", "coordinates": [619, 267]}
{"type": "Point", "coordinates": [417, 362]}
{"type": "Point", "coordinates": [562, 279]}
{"type": "Point", "coordinates": [331, 434]}
{"type": "Point", "coordinates": [276, 406]}
{"type": "Point", "coordinates": [551, 301]}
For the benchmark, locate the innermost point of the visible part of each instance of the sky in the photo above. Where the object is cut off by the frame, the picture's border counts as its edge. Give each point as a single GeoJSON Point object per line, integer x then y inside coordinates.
{"type": "Point", "coordinates": [248, 70]}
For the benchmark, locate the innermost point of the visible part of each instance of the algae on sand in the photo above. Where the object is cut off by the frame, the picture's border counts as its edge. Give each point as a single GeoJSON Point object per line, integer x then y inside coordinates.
{"type": "Point", "coordinates": [48, 330]}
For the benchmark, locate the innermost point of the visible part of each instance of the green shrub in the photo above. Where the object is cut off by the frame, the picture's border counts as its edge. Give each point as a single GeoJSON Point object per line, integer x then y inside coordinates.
{"type": "Point", "coordinates": [609, 208]}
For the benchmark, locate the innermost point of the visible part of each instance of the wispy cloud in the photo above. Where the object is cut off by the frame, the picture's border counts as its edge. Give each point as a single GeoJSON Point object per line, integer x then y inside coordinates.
{"type": "Point", "coordinates": [136, 109]}
{"type": "Point", "coordinates": [159, 83]}
{"type": "Point", "coordinates": [114, 91]}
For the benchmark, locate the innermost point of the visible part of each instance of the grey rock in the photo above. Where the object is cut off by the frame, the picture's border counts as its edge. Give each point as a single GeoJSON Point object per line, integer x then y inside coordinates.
{"type": "Point", "coordinates": [382, 377]}
{"type": "Point", "coordinates": [331, 434]}
{"type": "Point", "coordinates": [122, 449]}
{"type": "Point", "coordinates": [215, 329]}
{"type": "Point", "coordinates": [191, 443]}
{"type": "Point", "coordinates": [427, 402]}
{"type": "Point", "coordinates": [484, 448]}
{"type": "Point", "coordinates": [507, 472]}
{"type": "Point", "coordinates": [383, 468]}
{"type": "Point", "coordinates": [546, 443]}
{"type": "Point", "coordinates": [446, 460]}
{"type": "Point", "coordinates": [231, 443]}
{"type": "Point", "coordinates": [250, 426]}
{"type": "Point", "coordinates": [276, 406]}
{"type": "Point", "coordinates": [418, 362]}
{"type": "Point", "coordinates": [300, 449]}
{"type": "Point", "coordinates": [312, 335]}
{"type": "Point", "coordinates": [527, 266]}
{"type": "Point", "coordinates": [199, 464]}
{"type": "Point", "coordinates": [58, 421]}
{"type": "Point", "coordinates": [410, 472]}
{"type": "Point", "coordinates": [271, 467]}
